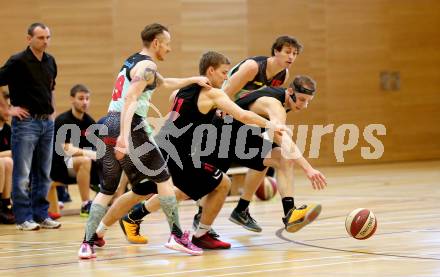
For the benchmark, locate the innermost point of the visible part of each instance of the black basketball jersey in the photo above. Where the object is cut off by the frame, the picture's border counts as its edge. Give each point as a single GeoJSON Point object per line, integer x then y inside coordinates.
{"type": "Point", "coordinates": [185, 104]}
{"type": "Point", "coordinates": [260, 80]}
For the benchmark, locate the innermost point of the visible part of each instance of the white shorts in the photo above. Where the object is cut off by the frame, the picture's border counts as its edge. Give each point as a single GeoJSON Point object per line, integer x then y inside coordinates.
{"type": "Point", "coordinates": [68, 160]}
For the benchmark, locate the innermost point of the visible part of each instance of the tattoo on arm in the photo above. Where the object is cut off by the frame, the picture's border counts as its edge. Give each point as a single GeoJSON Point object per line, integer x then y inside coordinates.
{"type": "Point", "coordinates": [147, 75]}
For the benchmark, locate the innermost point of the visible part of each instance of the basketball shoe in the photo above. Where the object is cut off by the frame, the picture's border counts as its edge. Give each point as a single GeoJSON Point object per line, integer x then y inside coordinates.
{"type": "Point", "coordinates": [85, 209]}
{"type": "Point", "coordinates": [245, 219]}
{"type": "Point", "coordinates": [297, 218]}
{"type": "Point", "coordinates": [207, 241]}
{"type": "Point", "coordinates": [86, 251]}
{"type": "Point", "coordinates": [131, 230]}
{"type": "Point", "coordinates": [183, 244]}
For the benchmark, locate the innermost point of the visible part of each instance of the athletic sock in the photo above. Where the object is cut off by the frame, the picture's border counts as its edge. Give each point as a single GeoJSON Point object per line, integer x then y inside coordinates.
{"type": "Point", "coordinates": [96, 214]}
{"type": "Point", "coordinates": [170, 209]}
{"type": "Point", "coordinates": [242, 205]}
{"type": "Point", "coordinates": [138, 212]}
{"type": "Point", "coordinates": [288, 204]}
{"type": "Point", "coordinates": [102, 228]}
{"type": "Point", "coordinates": [202, 229]}
{"type": "Point", "coordinates": [176, 231]}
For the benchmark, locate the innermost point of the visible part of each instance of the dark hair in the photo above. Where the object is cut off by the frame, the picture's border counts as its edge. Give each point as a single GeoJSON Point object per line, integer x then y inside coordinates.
{"type": "Point", "coordinates": [31, 28]}
{"type": "Point", "coordinates": [286, 41]}
{"type": "Point", "coordinates": [304, 84]}
{"type": "Point", "coordinates": [77, 88]}
{"type": "Point", "coordinates": [150, 32]}
{"type": "Point", "coordinates": [211, 58]}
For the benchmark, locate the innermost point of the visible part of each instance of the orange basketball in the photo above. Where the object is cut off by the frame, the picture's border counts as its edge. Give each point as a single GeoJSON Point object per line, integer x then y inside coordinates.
{"type": "Point", "coordinates": [361, 223]}
{"type": "Point", "coordinates": [267, 189]}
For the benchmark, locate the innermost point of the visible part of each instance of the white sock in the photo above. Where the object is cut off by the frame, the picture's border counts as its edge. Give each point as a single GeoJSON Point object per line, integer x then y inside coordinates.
{"type": "Point", "coordinates": [202, 229]}
{"type": "Point", "coordinates": [102, 228]}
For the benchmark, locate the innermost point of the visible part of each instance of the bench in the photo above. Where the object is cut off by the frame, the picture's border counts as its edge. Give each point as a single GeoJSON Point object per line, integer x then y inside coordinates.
{"type": "Point", "coordinates": [237, 175]}
{"type": "Point", "coordinates": [52, 197]}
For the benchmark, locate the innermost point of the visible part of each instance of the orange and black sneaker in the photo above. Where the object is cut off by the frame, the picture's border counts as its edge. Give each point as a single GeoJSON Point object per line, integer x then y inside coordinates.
{"type": "Point", "coordinates": [131, 230]}
{"type": "Point", "coordinates": [297, 218]}
{"type": "Point", "coordinates": [207, 241]}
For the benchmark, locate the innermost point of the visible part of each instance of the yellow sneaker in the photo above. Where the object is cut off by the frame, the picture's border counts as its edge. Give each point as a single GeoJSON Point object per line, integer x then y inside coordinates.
{"type": "Point", "coordinates": [131, 231]}
{"type": "Point", "coordinates": [297, 218]}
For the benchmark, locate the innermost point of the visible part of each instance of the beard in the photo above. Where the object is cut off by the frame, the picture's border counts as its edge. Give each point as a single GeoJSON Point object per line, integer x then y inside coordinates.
{"type": "Point", "coordinates": [80, 109]}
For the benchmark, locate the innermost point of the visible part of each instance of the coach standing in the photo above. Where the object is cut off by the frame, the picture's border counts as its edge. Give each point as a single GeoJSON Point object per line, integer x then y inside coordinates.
{"type": "Point", "coordinates": [30, 76]}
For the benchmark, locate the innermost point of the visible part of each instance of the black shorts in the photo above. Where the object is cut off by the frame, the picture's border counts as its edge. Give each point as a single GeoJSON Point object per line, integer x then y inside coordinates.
{"type": "Point", "coordinates": [145, 187]}
{"type": "Point", "coordinates": [148, 164]}
{"type": "Point", "coordinates": [194, 181]}
{"type": "Point", "coordinates": [247, 147]}
{"type": "Point", "coordinates": [59, 173]}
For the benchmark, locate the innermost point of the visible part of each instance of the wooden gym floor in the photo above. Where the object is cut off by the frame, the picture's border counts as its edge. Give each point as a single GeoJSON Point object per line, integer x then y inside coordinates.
{"type": "Point", "coordinates": [404, 197]}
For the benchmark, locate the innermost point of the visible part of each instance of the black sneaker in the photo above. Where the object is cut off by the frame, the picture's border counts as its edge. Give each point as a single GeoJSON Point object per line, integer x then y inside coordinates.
{"type": "Point", "coordinates": [85, 210]}
{"type": "Point", "coordinates": [245, 219]}
{"type": "Point", "coordinates": [6, 216]}
{"type": "Point", "coordinates": [196, 222]}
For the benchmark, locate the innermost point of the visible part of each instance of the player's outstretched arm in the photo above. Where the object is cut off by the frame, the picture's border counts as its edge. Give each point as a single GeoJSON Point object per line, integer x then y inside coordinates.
{"type": "Point", "coordinates": [178, 83]}
{"type": "Point", "coordinates": [222, 101]}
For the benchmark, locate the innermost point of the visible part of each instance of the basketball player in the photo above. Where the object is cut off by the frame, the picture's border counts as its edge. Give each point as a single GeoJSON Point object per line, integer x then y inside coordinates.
{"type": "Point", "coordinates": [128, 108]}
{"type": "Point", "coordinates": [260, 71]}
{"type": "Point", "coordinates": [196, 107]}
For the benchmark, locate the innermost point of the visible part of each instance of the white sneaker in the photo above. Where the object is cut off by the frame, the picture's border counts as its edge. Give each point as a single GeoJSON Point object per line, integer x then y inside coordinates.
{"type": "Point", "coordinates": [49, 223]}
{"type": "Point", "coordinates": [28, 226]}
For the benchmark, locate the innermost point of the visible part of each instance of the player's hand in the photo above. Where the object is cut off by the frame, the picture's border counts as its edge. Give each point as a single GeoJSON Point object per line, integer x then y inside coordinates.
{"type": "Point", "coordinates": [220, 113]}
{"type": "Point", "coordinates": [316, 178]}
{"type": "Point", "coordinates": [121, 148]}
{"type": "Point", "coordinates": [89, 153]}
{"type": "Point", "coordinates": [202, 81]}
{"type": "Point", "coordinates": [279, 129]}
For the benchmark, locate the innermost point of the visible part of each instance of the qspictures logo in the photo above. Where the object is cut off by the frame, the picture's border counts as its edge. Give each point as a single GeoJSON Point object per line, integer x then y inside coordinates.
{"type": "Point", "coordinates": [225, 140]}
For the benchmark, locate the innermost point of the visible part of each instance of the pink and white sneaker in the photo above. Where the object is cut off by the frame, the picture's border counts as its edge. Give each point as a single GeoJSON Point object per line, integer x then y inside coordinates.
{"type": "Point", "coordinates": [183, 244]}
{"type": "Point", "coordinates": [86, 251]}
